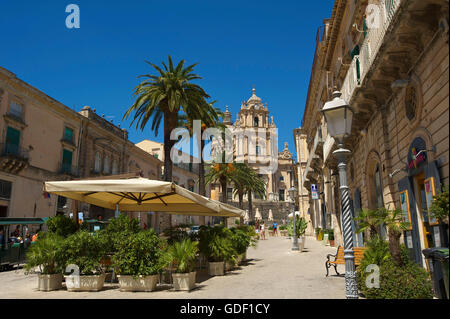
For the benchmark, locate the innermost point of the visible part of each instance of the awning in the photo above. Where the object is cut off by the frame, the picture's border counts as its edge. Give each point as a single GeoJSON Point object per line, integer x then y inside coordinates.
{"type": "Point", "coordinates": [141, 194]}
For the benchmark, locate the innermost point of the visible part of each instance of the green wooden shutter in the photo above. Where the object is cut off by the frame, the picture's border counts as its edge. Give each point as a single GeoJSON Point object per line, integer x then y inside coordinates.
{"type": "Point", "coordinates": [12, 140]}
{"type": "Point", "coordinates": [67, 160]}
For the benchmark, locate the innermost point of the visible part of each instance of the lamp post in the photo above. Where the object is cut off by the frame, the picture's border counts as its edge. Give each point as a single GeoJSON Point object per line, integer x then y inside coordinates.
{"type": "Point", "coordinates": [338, 116]}
{"type": "Point", "coordinates": [292, 194]}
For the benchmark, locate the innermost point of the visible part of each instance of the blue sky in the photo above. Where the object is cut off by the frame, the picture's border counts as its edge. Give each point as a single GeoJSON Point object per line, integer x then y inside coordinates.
{"type": "Point", "coordinates": [269, 44]}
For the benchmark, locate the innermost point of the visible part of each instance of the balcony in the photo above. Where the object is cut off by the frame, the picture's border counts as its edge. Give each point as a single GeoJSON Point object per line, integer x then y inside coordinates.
{"type": "Point", "coordinates": [13, 158]}
{"type": "Point", "coordinates": [362, 63]}
{"type": "Point", "coordinates": [66, 169]}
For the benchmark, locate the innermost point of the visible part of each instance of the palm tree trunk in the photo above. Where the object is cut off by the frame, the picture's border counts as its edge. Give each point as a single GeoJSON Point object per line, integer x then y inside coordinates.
{"type": "Point", "coordinates": [241, 205]}
{"type": "Point", "coordinates": [250, 206]}
{"type": "Point", "coordinates": [394, 247]}
{"type": "Point", "coordinates": [170, 122]}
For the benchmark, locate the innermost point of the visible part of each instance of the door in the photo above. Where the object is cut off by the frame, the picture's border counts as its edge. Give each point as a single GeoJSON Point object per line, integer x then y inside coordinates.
{"type": "Point", "coordinates": [408, 205]}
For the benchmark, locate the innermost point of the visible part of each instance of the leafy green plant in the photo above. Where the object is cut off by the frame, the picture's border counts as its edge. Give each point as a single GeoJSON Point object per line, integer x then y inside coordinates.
{"type": "Point", "coordinates": [300, 227]}
{"type": "Point", "coordinates": [177, 234]}
{"type": "Point", "coordinates": [370, 219]}
{"type": "Point", "coordinates": [118, 230]}
{"type": "Point", "coordinates": [330, 234]}
{"type": "Point", "coordinates": [440, 206]}
{"type": "Point", "coordinates": [84, 250]}
{"type": "Point", "coordinates": [45, 253]}
{"type": "Point", "coordinates": [409, 281]}
{"type": "Point", "coordinates": [216, 244]}
{"type": "Point", "coordinates": [283, 227]}
{"type": "Point", "coordinates": [317, 230]}
{"type": "Point", "coordinates": [182, 254]}
{"type": "Point", "coordinates": [61, 225]}
{"type": "Point", "coordinates": [143, 253]}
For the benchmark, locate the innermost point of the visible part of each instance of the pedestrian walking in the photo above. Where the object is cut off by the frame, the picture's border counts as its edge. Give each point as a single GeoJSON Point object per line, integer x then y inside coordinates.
{"type": "Point", "coordinates": [263, 231]}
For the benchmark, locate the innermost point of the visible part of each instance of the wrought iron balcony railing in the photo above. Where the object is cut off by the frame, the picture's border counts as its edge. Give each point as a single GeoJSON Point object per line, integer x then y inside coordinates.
{"type": "Point", "coordinates": [14, 150]}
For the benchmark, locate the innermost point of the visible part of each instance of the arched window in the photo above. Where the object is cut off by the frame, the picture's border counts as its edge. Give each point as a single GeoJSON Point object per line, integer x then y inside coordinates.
{"type": "Point", "coordinates": [115, 167]}
{"type": "Point", "coordinates": [256, 121]}
{"type": "Point", "coordinates": [98, 162]}
{"type": "Point", "coordinates": [106, 165]}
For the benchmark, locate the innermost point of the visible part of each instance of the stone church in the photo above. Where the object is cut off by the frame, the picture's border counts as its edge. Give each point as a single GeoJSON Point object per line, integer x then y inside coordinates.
{"type": "Point", "coordinates": [261, 153]}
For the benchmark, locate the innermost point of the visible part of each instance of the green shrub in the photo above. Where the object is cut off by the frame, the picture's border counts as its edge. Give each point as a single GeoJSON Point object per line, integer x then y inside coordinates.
{"type": "Point", "coordinates": [330, 234]}
{"type": "Point", "coordinates": [122, 224]}
{"type": "Point", "coordinates": [216, 244]}
{"type": "Point", "coordinates": [177, 234]}
{"type": "Point", "coordinates": [409, 281]}
{"type": "Point", "coordinates": [143, 253]}
{"type": "Point", "coordinates": [45, 253]}
{"type": "Point", "coordinates": [183, 254]}
{"type": "Point", "coordinates": [242, 238]}
{"type": "Point", "coordinates": [300, 227]}
{"type": "Point", "coordinates": [61, 225]}
{"type": "Point", "coordinates": [84, 250]}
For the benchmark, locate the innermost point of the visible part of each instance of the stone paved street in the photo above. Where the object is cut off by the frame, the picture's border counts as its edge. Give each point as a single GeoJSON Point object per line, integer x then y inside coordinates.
{"type": "Point", "coordinates": [272, 271]}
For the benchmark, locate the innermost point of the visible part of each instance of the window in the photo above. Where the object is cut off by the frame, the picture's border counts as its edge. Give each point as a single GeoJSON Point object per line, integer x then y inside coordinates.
{"type": "Point", "coordinates": [68, 134]}
{"type": "Point", "coordinates": [98, 162]}
{"type": "Point", "coordinates": [229, 194]}
{"type": "Point", "coordinates": [5, 189]}
{"type": "Point", "coordinates": [67, 161]}
{"type": "Point", "coordinates": [378, 188]}
{"type": "Point", "coordinates": [281, 178]}
{"type": "Point", "coordinates": [410, 102]}
{"type": "Point", "coordinates": [115, 167]}
{"type": "Point", "coordinates": [106, 165]}
{"type": "Point", "coordinates": [15, 109]}
{"type": "Point", "coordinates": [256, 121]}
{"type": "Point", "coordinates": [62, 201]}
{"type": "Point", "coordinates": [12, 141]}
{"type": "Point", "coordinates": [281, 195]}
{"type": "Point", "coordinates": [258, 150]}
{"type": "Point", "coordinates": [191, 188]}
{"type": "Point", "coordinates": [155, 155]}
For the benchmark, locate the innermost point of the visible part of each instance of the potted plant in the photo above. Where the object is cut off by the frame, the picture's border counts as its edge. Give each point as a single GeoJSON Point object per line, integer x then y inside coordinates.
{"type": "Point", "coordinates": [317, 232]}
{"type": "Point", "coordinates": [46, 254]}
{"type": "Point", "coordinates": [300, 230]}
{"type": "Point", "coordinates": [182, 254]}
{"type": "Point", "coordinates": [216, 245]}
{"type": "Point", "coordinates": [331, 237]}
{"type": "Point", "coordinates": [82, 253]}
{"type": "Point", "coordinates": [138, 259]}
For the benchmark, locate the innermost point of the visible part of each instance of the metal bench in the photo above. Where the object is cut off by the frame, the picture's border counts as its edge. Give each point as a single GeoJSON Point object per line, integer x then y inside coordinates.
{"type": "Point", "coordinates": [339, 258]}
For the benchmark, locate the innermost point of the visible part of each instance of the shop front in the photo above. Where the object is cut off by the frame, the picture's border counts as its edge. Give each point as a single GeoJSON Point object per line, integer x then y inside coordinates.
{"type": "Point", "coordinates": [416, 197]}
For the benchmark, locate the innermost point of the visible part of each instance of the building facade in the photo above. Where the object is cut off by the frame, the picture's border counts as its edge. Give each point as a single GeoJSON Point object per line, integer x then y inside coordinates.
{"type": "Point", "coordinates": [389, 59]}
{"type": "Point", "coordinates": [260, 151]}
{"type": "Point", "coordinates": [43, 140]}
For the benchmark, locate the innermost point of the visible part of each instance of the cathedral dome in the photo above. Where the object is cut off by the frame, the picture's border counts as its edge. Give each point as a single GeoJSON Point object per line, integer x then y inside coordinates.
{"type": "Point", "coordinates": [254, 99]}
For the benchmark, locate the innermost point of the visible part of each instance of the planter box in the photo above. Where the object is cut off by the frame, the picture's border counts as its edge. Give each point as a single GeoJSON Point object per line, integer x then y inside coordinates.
{"type": "Point", "coordinates": [216, 268]}
{"type": "Point", "coordinates": [141, 283]}
{"type": "Point", "coordinates": [184, 281]}
{"type": "Point", "coordinates": [86, 283]}
{"type": "Point", "coordinates": [49, 282]}
{"type": "Point", "coordinates": [302, 243]}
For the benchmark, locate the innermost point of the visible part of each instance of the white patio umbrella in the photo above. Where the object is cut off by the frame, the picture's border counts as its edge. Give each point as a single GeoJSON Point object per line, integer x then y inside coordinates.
{"type": "Point", "coordinates": [258, 214]}
{"type": "Point", "coordinates": [270, 215]}
{"type": "Point", "coordinates": [291, 215]}
{"type": "Point", "coordinates": [246, 217]}
{"type": "Point", "coordinates": [141, 194]}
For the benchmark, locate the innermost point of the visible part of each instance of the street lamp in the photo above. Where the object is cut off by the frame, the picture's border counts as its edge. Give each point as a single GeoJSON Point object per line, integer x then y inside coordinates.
{"type": "Point", "coordinates": [292, 194]}
{"type": "Point", "coordinates": [338, 115]}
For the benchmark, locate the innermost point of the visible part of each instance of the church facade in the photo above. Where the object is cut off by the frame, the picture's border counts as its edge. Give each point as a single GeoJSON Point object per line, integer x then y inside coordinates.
{"type": "Point", "coordinates": [255, 142]}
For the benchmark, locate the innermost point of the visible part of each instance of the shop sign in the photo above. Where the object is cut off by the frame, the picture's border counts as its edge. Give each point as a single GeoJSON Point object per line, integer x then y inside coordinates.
{"type": "Point", "coordinates": [417, 155]}
{"type": "Point", "coordinates": [314, 191]}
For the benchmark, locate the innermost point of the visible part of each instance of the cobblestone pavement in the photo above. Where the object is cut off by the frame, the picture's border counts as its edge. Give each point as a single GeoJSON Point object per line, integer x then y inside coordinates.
{"type": "Point", "coordinates": [272, 271]}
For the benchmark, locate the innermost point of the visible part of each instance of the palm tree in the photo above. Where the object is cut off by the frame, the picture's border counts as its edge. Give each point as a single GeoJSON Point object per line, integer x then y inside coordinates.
{"type": "Point", "coordinates": [222, 173]}
{"type": "Point", "coordinates": [162, 96]}
{"type": "Point", "coordinates": [369, 219]}
{"type": "Point", "coordinates": [247, 181]}
{"type": "Point", "coordinates": [393, 219]}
